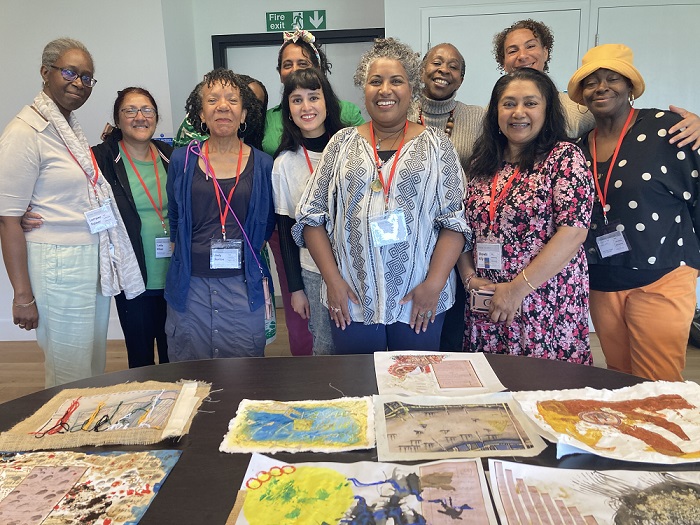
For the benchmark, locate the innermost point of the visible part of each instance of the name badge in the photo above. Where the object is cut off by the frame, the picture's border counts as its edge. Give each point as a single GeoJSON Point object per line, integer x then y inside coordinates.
{"type": "Point", "coordinates": [612, 243]}
{"type": "Point", "coordinates": [225, 254]}
{"type": "Point", "coordinates": [164, 248]}
{"type": "Point", "coordinates": [101, 218]}
{"type": "Point", "coordinates": [489, 256]}
{"type": "Point", "coordinates": [388, 228]}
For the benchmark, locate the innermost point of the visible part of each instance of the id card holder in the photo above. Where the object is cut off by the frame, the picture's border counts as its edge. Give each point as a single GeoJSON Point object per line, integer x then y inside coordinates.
{"type": "Point", "coordinates": [225, 254]}
{"type": "Point", "coordinates": [489, 255]}
{"type": "Point", "coordinates": [388, 228]}
{"type": "Point", "coordinates": [164, 248]}
{"type": "Point", "coordinates": [611, 241]}
{"type": "Point", "coordinates": [101, 218]}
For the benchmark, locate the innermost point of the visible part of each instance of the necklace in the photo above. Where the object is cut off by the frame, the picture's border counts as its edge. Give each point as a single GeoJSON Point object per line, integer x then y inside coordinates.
{"type": "Point", "coordinates": [448, 127]}
{"type": "Point", "coordinates": [395, 135]}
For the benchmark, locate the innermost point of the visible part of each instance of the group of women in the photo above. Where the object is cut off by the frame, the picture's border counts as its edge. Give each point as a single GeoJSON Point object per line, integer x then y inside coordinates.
{"type": "Point", "coordinates": [372, 217]}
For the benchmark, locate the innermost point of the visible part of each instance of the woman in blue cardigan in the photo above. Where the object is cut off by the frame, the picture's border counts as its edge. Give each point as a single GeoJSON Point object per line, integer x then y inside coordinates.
{"type": "Point", "coordinates": [221, 213]}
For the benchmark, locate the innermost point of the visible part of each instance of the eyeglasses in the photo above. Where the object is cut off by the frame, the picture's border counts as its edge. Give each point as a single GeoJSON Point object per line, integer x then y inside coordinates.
{"type": "Point", "coordinates": [70, 76]}
{"type": "Point", "coordinates": [146, 111]}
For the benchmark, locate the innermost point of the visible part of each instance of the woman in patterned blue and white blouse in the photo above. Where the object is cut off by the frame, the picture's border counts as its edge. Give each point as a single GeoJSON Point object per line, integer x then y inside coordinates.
{"type": "Point", "coordinates": [383, 216]}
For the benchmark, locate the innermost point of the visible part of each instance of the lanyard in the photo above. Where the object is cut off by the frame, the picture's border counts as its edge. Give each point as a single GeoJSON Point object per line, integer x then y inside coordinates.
{"type": "Point", "coordinates": [387, 185]}
{"type": "Point", "coordinates": [603, 195]}
{"type": "Point", "coordinates": [495, 201]}
{"type": "Point", "coordinates": [308, 160]}
{"type": "Point", "coordinates": [223, 214]}
{"type": "Point", "coordinates": [92, 181]}
{"type": "Point", "coordinates": [159, 208]}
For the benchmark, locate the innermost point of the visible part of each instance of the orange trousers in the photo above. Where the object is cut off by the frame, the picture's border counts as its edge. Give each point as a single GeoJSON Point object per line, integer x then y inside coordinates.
{"type": "Point", "coordinates": [644, 331]}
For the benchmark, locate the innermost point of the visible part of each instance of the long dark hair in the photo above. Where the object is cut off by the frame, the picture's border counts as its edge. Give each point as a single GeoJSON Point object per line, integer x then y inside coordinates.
{"type": "Point", "coordinates": [310, 78]}
{"type": "Point", "coordinates": [490, 147]}
{"type": "Point", "coordinates": [309, 52]}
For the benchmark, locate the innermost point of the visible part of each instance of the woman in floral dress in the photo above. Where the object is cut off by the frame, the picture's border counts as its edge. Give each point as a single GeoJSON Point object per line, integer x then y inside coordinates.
{"type": "Point", "coordinates": [529, 204]}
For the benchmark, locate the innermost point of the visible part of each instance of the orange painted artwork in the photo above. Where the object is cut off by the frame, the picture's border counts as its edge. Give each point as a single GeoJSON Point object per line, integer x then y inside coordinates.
{"type": "Point", "coordinates": [656, 422]}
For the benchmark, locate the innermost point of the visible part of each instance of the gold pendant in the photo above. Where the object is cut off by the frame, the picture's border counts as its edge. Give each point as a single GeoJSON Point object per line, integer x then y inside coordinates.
{"type": "Point", "coordinates": [376, 185]}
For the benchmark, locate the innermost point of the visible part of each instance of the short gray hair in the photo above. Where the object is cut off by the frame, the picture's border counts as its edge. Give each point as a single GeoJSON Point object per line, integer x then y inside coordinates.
{"type": "Point", "coordinates": [392, 49]}
{"type": "Point", "coordinates": [54, 49]}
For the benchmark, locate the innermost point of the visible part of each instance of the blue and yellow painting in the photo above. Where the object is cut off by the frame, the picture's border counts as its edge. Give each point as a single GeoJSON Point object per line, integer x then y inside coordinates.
{"type": "Point", "coordinates": [341, 424]}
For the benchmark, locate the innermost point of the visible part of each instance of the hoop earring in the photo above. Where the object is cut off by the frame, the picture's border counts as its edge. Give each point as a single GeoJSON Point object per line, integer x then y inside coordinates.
{"type": "Point", "coordinates": [244, 128]}
{"type": "Point", "coordinates": [578, 106]}
{"type": "Point", "coordinates": [290, 117]}
{"type": "Point", "coordinates": [631, 100]}
{"type": "Point", "coordinates": [203, 125]}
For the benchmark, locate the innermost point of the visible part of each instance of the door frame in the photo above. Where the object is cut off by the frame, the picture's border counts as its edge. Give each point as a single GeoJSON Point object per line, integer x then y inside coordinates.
{"type": "Point", "coordinates": [221, 43]}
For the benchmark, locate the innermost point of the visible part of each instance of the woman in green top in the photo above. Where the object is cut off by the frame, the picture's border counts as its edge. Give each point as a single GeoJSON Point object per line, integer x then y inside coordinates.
{"type": "Point", "coordinates": [136, 168]}
{"type": "Point", "coordinates": [299, 51]}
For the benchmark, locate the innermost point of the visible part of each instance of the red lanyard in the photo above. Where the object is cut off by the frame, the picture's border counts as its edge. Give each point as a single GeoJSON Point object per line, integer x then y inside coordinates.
{"type": "Point", "coordinates": [495, 201]}
{"type": "Point", "coordinates": [308, 160]}
{"type": "Point", "coordinates": [603, 195]}
{"type": "Point", "coordinates": [223, 214]}
{"type": "Point", "coordinates": [159, 208]}
{"type": "Point", "coordinates": [94, 165]}
{"type": "Point", "coordinates": [386, 186]}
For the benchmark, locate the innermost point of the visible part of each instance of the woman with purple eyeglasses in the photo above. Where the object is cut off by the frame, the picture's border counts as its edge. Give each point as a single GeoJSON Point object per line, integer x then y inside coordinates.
{"type": "Point", "coordinates": [64, 273]}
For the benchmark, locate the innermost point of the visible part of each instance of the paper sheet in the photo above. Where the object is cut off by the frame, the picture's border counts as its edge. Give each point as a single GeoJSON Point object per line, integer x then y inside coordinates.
{"type": "Point", "coordinates": [652, 422]}
{"type": "Point", "coordinates": [434, 373]}
{"type": "Point", "coordinates": [413, 428]}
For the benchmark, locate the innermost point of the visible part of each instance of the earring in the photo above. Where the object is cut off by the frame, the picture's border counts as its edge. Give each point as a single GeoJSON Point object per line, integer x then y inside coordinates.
{"type": "Point", "coordinates": [244, 128]}
{"type": "Point", "coordinates": [202, 126]}
{"type": "Point", "coordinates": [290, 117]}
{"type": "Point", "coordinates": [631, 100]}
{"type": "Point", "coordinates": [578, 106]}
{"type": "Point", "coordinates": [500, 132]}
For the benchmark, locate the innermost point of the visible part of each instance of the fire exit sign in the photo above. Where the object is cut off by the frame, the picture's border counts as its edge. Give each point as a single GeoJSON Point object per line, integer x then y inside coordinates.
{"type": "Point", "coordinates": [290, 20]}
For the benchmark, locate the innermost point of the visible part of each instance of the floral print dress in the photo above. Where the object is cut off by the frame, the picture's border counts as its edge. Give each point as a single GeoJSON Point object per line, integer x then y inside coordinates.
{"type": "Point", "coordinates": [553, 323]}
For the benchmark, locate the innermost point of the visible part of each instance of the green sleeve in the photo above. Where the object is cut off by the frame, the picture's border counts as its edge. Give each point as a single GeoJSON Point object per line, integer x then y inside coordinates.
{"type": "Point", "coordinates": [350, 114]}
{"type": "Point", "coordinates": [273, 130]}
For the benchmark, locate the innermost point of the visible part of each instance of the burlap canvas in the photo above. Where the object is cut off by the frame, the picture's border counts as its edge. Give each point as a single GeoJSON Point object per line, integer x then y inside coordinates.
{"type": "Point", "coordinates": [33, 433]}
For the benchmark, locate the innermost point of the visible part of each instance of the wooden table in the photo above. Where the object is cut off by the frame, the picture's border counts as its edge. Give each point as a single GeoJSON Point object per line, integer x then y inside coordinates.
{"type": "Point", "coordinates": [202, 487]}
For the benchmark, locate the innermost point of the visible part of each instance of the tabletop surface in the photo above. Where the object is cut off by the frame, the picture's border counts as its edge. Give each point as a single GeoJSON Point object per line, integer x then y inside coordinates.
{"type": "Point", "coordinates": [203, 485]}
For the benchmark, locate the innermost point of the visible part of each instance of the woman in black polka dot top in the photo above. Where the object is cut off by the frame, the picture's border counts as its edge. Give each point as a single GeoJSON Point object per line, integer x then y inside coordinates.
{"type": "Point", "coordinates": [643, 247]}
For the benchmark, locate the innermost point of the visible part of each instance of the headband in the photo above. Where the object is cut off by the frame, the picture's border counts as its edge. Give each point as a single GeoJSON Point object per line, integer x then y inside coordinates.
{"type": "Point", "coordinates": [305, 36]}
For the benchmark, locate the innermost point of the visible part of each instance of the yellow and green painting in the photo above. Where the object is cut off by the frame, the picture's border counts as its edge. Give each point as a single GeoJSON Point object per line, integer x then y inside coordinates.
{"type": "Point", "coordinates": [440, 493]}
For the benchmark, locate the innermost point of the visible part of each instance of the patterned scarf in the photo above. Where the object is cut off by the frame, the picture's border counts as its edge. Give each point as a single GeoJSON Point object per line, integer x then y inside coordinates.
{"type": "Point", "coordinates": [119, 269]}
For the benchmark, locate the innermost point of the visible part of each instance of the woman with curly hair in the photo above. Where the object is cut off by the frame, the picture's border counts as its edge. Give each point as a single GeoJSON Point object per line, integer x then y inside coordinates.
{"type": "Point", "coordinates": [529, 43]}
{"type": "Point", "coordinates": [383, 216]}
{"type": "Point", "coordinates": [221, 213]}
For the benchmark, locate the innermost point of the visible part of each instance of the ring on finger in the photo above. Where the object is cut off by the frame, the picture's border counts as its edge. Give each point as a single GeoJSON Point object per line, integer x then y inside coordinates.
{"type": "Point", "coordinates": [421, 315]}
{"type": "Point", "coordinates": [20, 325]}
{"type": "Point", "coordinates": [429, 314]}
{"type": "Point", "coordinates": [335, 309]}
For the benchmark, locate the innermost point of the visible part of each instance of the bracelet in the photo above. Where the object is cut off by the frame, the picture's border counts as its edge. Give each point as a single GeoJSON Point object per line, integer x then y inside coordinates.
{"type": "Point", "coordinates": [26, 305]}
{"type": "Point", "coordinates": [527, 281]}
{"type": "Point", "coordinates": [468, 280]}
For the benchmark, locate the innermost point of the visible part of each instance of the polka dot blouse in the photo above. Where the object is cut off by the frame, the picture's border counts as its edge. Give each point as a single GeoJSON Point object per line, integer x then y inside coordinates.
{"type": "Point", "coordinates": [652, 197]}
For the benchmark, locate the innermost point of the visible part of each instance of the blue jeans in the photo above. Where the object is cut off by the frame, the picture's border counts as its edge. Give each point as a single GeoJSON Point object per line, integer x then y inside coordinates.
{"type": "Point", "coordinates": [361, 338]}
{"type": "Point", "coordinates": [320, 322]}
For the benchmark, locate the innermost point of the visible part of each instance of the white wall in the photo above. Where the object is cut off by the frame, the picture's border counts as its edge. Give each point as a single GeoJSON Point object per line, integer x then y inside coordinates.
{"type": "Point", "coordinates": [162, 45]}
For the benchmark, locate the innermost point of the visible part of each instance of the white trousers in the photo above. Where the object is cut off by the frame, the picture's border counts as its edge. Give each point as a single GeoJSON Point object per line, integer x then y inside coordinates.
{"type": "Point", "coordinates": [73, 314]}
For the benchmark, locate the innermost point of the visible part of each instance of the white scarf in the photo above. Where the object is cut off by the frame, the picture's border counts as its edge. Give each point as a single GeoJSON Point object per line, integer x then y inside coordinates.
{"type": "Point", "coordinates": [119, 269]}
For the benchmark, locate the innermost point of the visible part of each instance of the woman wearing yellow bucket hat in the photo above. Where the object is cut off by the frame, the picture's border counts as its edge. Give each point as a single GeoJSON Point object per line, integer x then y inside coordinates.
{"type": "Point", "coordinates": [643, 247]}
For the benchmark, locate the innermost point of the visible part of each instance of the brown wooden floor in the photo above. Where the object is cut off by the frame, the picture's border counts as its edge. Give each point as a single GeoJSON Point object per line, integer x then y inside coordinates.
{"type": "Point", "coordinates": [22, 363]}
